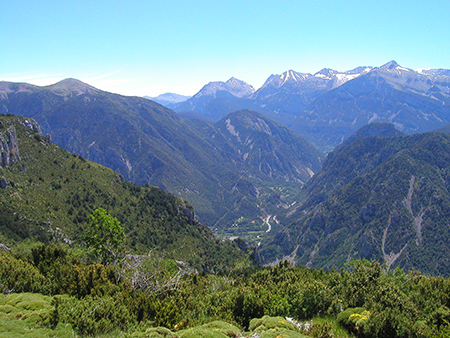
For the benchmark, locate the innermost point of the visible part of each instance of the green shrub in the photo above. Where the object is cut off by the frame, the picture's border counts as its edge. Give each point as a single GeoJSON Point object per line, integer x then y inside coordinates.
{"type": "Point", "coordinates": [279, 332]}
{"type": "Point", "coordinates": [272, 327]}
{"type": "Point", "coordinates": [65, 273]}
{"type": "Point", "coordinates": [311, 298]}
{"type": "Point", "coordinates": [166, 312]}
{"type": "Point", "coordinates": [248, 304]}
{"type": "Point", "coordinates": [270, 323]}
{"type": "Point", "coordinates": [216, 329]}
{"type": "Point", "coordinates": [93, 315]}
{"type": "Point", "coordinates": [17, 275]}
{"type": "Point", "coordinates": [227, 329]}
{"type": "Point", "coordinates": [353, 319]}
{"type": "Point", "coordinates": [321, 330]}
{"type": "Point", "coordinates": [197, 332]}
{"type": "Point", "coordinates": [390, 322]}
{"type": "Point", "coordinates": [155, 332]}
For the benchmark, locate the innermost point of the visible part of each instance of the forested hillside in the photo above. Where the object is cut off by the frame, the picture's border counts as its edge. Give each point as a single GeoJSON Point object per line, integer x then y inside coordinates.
{"type": "Point", "coordinates": [48, 193]}
{"type": "Point", "coordinates": [150, 144]}
{"type": "Point", "coordinates": [171, 278]}
{"type": "Point", "coordinates": [378, 197]}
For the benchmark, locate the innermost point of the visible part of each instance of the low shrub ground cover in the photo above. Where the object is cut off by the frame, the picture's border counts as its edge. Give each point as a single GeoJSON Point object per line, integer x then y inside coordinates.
{"type": "Point", "coordinates": [363, 300]}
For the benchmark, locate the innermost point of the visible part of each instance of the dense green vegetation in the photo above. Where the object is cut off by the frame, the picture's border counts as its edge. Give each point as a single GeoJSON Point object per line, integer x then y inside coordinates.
{"type": "Point", "coordinates": [172, 278]}
{"type": "Point", "coordinates": [362, 300]}
{"type": "Point", "coordinates": [379, 197]}
{"type": "Point", "coordinates": [49, 194]}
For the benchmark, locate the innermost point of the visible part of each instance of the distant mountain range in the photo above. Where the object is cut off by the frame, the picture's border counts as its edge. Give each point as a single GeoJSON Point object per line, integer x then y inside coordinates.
{"type": "Point", "coordinates": [382, 192]}
{"type": "Point", "coordinates": [168, 98]}
{"type": "Point", "coordinates": [217, 99]}
{"type": "Point", "coordinates": [329, 106]}
{"type": "Point", "coordinates": [238, 171]}
{"type": "Point", "coordinates": [413, 101]}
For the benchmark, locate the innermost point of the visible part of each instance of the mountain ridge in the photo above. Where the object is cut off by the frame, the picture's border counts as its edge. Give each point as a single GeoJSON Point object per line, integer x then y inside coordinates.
{"type": "Point", "coordinates": [328, 106]}
{"type": "Point", "coordinates": [378, 197]}
{"type": "Point", "coordinates": [149, 144]}
{"type": "Point", "coordinates": [47, 193]}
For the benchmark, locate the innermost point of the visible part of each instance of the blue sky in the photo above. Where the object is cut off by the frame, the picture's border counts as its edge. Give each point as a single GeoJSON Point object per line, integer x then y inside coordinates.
{"type": "Point", "coordinates": [152, 47]}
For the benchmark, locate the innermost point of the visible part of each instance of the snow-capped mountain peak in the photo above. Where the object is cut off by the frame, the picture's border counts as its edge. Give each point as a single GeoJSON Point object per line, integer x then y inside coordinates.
{"type": "Point", "coordinates": [338, 78]}
{"type": "Point", "coordinates": [288, 77]}
{"type": "Point", "coordinates": [435, 72]}
{"type": "Point", "coordinates": [423, 70]}
{"type": "Point", "coordinates": [326, 73]}
{"type": "Point", "coordinates": [394, 68]}
{"type": "Point", "coordinates": [239, 88]}
{"type": "Point", "coordinates": [233, 86]}
{"type": "Point", "coordinates": [390, 65]}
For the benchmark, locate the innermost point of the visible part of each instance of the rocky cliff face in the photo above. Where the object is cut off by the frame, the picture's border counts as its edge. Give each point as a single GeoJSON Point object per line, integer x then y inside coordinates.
{"type": "Point", "coordinates": [9, 150]}
{"type": "Point", "coordinates": [8, 147]}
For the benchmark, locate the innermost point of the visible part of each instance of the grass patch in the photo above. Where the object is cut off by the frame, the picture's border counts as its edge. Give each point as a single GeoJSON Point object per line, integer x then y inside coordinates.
{"type": "Point", "coordinates": [28, 315]}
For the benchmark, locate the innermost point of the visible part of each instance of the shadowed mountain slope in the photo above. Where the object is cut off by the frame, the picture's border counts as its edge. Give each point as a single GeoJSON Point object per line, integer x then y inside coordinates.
{"type": "Point", "coordinates": [148, 143]}
{"type": "Point", "coordinates": [46, 193]}
{"type": "Point", "coordinates": [379, 197]}
{"type": "Point", "coordinates": [413, 101]}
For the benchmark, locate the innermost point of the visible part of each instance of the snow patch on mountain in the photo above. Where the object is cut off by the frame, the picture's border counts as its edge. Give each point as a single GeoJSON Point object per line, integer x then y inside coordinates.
{"type": "Point", "coordinates": [344, 77]}
{"type": "Point", "coordinates": [322, 76]}
{"type": "Point", "coordinates": [327, 78]}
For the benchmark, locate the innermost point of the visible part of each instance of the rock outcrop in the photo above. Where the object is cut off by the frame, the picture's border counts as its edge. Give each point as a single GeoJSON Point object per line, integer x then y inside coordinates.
{"type": "Point", "coordinates": [9, 150]}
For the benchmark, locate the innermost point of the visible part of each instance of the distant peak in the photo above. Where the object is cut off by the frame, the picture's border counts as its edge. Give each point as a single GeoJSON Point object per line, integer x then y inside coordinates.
{"type": "Point", "coordinates": [292, 76]}
{"type": "Point", "coordinates": [71, 80]}
{"type": "Point", "coordinates": [394, 68]}
{"type": "Point", "coordinates": [168, 98]}
{"type": "Point", "coordinates": [233, 79]}
{"type": "Point", "coordinates": [390, 65]}
{"type": "Point", "coordinates": [326, 71]}
{"type": "Point", "coordinates": [233, 86]}
{"type": "Point", "coordinates": [360, 70]}
{"type": "Point", "coordinates": [289, 74]}
{"type": "Point", "coordinates": [69, 86]}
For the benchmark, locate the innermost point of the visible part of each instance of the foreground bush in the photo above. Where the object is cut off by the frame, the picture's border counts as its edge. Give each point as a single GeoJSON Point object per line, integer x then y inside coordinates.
{"type": "Point", "coordinates": [155, 332]}
{"type": "Point", "coordinates": [353, 318]}
{"type": "Point", "coordinates": [93, 315]}
{"type": "Point", "coordinates": [17, 275]}
{"type": "Point", "coordinates": [364, 298]}
{"type": "Point", "coordinates": [272, 327]}
{"type": "Point", "coordinates": [216, 329]}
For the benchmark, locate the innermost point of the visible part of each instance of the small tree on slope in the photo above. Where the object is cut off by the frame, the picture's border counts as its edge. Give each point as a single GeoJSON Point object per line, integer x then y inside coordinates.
{"type": "Point", "coordinates": [104, 236]}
